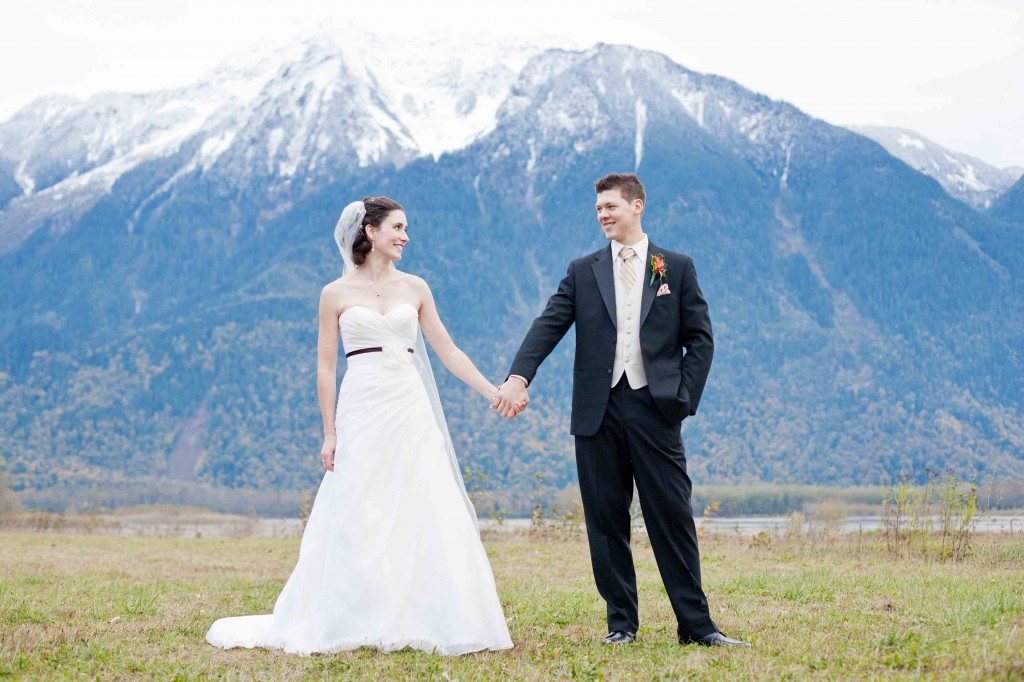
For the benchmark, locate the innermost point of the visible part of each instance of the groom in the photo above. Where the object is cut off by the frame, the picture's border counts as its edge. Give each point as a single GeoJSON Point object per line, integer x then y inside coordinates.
{"type": "Point", "coordinates": [637, 308]}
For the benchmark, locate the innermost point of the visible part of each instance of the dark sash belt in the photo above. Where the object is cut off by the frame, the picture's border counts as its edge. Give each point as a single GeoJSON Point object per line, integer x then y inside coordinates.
{"type": "Point", "coordinates": [376, 349]}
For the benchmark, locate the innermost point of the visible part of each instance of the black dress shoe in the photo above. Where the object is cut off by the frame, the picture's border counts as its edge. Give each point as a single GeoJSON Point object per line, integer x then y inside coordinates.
{"type": "Point", "coordinates": [714, 639]}
{"type": "Point", "coordinates": [619, 637]}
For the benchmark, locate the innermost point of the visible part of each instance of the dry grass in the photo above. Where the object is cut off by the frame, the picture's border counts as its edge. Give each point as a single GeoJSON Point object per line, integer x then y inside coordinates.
{"type": "Point", "coordinates": [126, 608]}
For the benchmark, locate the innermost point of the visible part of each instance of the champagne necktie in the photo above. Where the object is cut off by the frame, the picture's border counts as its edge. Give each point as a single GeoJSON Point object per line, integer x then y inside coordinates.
{"type": "Point", "coordinates": [627, 273]}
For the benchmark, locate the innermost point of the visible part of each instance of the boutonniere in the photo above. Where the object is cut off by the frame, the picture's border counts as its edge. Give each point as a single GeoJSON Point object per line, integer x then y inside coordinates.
{"type": "Point", "coordinates": [658, 268]}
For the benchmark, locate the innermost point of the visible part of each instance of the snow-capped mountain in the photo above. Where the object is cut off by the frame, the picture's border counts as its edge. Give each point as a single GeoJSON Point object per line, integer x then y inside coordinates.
{"type": "Point", "coordinates": [297, 113]}
{"type": "Point", "coordinates": [161, 256]}
{"type": "Point", "coordinates": [291, 112]}
{"type": "Point", "coordinates": [583, 99]}
{"type": "Point", "coordinates": [444, 91]}
{"type": "Point", "coordinates": [970, 180]}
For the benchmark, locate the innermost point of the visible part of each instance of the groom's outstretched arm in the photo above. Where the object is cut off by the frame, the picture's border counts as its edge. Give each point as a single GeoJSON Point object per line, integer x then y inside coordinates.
{"type": "Point", "coordinates": [545, 333]}
{"type": "Point", "coordinates": [548, 329]}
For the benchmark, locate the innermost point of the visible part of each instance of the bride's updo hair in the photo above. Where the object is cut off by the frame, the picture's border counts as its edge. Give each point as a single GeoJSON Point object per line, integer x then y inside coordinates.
{"type": "Point", "coordinates": [377, 209]}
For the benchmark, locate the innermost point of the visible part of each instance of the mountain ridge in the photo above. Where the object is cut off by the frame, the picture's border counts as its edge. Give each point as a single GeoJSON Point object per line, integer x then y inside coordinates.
{"type": "Point", "coordinates": [964, 177]}
{"type": "Point", "coordinates": [865, 321]}
{"type": "Point", "coordinates": [396, 129]}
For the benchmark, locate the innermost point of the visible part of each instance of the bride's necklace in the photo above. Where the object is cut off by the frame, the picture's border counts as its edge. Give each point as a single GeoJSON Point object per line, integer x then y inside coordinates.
{"type": "Point", "coordinates": [378, 289]}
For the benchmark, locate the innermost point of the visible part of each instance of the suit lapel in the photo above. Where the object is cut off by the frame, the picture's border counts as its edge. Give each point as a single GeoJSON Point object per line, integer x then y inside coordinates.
{"type": "Point", "coordinates": [647, 298]}
{"type": "Point", "coordinates": [606, 280]}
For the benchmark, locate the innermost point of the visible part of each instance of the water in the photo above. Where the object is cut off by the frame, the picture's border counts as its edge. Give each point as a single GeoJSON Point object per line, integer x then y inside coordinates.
{"type": "Point", "coordinates": [752, 525]}
{"type": "Point", "coordinates": [209, 526]}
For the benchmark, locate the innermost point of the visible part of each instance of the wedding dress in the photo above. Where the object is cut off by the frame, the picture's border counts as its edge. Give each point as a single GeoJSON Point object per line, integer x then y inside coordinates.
{"type": "Point", "coordinates": [391, 557]}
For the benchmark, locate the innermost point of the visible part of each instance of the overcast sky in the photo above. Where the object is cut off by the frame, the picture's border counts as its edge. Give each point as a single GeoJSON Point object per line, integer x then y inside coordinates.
{"type": "Point", "coordinates": [952, 70]}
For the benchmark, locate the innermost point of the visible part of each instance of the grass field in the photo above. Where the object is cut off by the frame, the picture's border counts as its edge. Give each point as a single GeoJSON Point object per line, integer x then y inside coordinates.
{"type": "Point", "coordinates": [832, 607]}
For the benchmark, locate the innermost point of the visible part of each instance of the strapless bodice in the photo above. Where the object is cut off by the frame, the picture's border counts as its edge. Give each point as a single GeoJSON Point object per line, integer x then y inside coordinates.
{"type": "Point", "coordinates": [394, 331]}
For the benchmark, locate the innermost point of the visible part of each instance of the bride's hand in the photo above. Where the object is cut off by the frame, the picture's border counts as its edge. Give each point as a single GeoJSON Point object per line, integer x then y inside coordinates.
{"type": "Point", "coordinates": [327, 452]}
{"type": "Point", "coordinates": [517, 408]}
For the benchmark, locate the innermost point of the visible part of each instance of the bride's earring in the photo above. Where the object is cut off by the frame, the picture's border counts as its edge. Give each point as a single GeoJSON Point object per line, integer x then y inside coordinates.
{"type": "Point", "coordinates": [371, 245]}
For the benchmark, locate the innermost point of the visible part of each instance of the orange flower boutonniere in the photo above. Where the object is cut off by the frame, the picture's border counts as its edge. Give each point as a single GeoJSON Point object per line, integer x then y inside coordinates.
{"type": "Point", "coordinates": [658, 268]}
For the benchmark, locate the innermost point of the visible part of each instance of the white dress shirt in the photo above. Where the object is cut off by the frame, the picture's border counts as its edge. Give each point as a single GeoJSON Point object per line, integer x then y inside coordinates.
{"type": "Point", "coordinates": [627, 318]}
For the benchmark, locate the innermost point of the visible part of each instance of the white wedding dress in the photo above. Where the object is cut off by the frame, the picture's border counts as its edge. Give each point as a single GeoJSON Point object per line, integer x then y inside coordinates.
{"type": "Point", "coordinates": [391, 556]}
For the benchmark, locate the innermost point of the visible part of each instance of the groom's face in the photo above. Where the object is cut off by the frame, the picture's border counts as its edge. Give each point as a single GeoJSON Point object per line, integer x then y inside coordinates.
{"type": "Point", "coordinates": [620, 219]}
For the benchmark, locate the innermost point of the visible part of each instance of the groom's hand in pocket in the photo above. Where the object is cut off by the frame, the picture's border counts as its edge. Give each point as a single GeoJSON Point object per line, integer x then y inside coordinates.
{"type": "Point", "coordinates": [512, 397]}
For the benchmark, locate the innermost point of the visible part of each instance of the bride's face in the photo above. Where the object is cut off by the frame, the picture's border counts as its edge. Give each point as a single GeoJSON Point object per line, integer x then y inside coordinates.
{"type": "Point", "coordinates": [391, 237]}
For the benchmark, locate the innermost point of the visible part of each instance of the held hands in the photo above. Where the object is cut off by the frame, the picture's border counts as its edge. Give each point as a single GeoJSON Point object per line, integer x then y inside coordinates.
{"type": "Point", "coordinates": [327, 451]}
{"type": "Point", "coordinates": [512, 398]}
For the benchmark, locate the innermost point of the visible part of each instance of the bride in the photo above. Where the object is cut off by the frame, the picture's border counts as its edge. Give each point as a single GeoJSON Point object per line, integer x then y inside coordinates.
{"type": "Point", "coordinates": [391, 556]}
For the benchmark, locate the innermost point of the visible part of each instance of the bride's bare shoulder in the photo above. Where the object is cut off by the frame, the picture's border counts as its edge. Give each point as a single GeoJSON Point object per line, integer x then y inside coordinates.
{"type": "Point", "coordinates": [418, 287]}
{"type": "Point", "coordinates": [342, 283]}
{"type": "Point", "coordinates": [415, 282]}
{"type": "Point", "coordinates": [335, 291]}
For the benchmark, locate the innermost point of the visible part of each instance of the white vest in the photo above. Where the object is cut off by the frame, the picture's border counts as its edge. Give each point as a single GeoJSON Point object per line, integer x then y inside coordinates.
{"type": "Point", "coordinates": [627, 318]}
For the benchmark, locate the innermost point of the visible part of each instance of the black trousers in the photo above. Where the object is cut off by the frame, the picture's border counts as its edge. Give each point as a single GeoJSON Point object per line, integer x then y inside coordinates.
{"type": "Point", "coordinates": [635, 442]}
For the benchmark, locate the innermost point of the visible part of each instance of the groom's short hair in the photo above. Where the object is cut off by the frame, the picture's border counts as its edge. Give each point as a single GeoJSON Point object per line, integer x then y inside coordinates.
{"type": "Point", "coordinates": [628, 184]}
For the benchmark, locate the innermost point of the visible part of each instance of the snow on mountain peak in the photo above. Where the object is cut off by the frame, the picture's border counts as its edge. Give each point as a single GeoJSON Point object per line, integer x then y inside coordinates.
{"type": "Point", "coordinates": [964, 177]}
{"type": "Point", "coordinates": [445, 91]}
{"type": "Point", "coordinates": [905, 140]}
{"type": "Point", "coordinates": [282, 109]}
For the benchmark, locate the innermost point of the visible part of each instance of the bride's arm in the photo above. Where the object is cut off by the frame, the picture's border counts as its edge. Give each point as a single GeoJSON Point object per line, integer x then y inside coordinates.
{"type": "Point", "coordinates": [327, 374]}
{"type": "Point", "coordinates": [457, 362]}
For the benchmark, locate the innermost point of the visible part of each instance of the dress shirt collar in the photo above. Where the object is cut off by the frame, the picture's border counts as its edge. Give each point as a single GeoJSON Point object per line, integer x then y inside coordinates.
{"type": "Point", "coordinates": [640, 248]}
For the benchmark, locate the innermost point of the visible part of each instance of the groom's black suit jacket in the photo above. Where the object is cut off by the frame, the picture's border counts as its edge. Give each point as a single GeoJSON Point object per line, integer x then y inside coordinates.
{"type": "Point", "coordinates": [675, 336]}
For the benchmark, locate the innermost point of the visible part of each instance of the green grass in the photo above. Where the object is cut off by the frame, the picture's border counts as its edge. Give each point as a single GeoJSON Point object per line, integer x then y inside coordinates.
{"type": "Point", "coordinates": [124, 608]}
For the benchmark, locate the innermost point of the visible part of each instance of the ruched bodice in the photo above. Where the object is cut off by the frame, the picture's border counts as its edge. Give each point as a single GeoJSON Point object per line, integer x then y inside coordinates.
{"type": "Point", "coordinates": [395, 330]}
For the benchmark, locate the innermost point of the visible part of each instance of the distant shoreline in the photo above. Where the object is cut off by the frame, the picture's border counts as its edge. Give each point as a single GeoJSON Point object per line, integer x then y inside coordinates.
{"type": "Point", "coordinates": [194, 523]}
{"type": "Point", "coordinates": [733, 500]}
